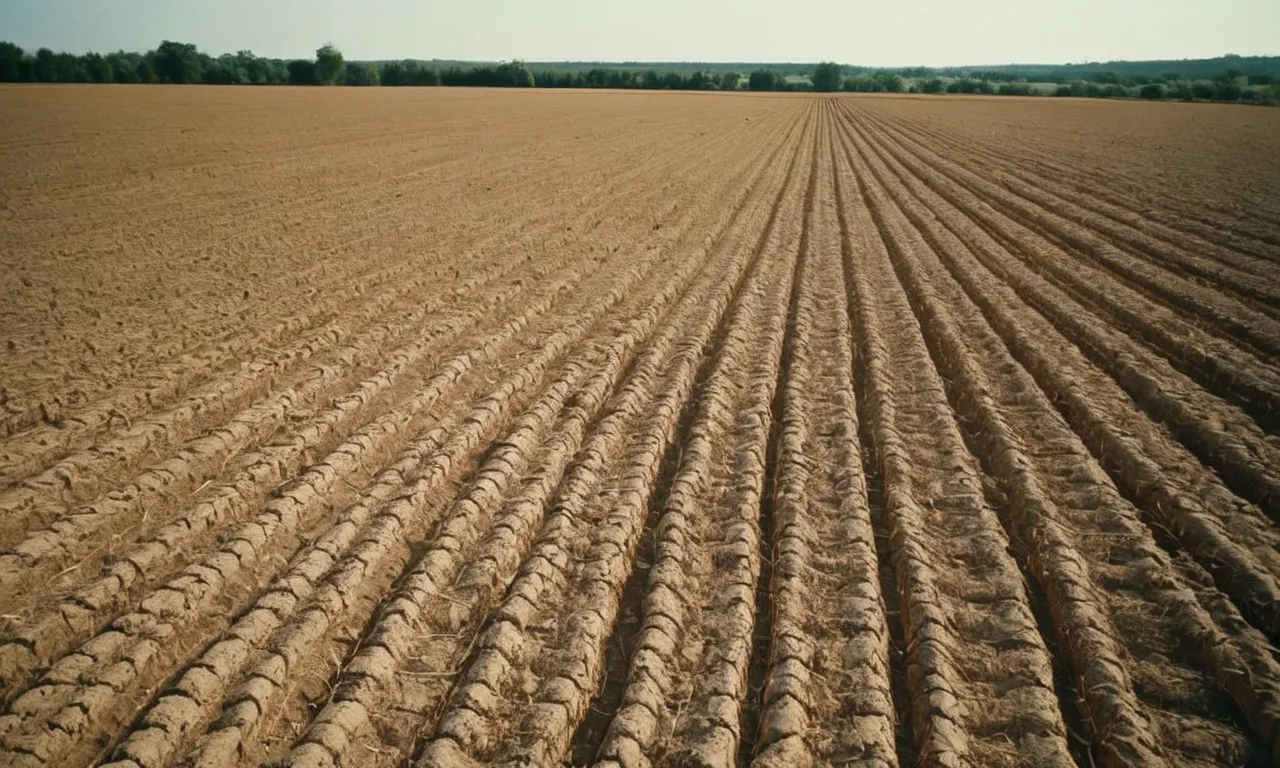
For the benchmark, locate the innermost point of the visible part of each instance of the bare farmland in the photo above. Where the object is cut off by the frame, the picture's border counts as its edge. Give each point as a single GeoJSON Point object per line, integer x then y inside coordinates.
{"type": "Point", "coordinates": [455, 428]}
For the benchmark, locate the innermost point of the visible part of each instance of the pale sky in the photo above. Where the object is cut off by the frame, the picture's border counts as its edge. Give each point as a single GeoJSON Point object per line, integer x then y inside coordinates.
{"type": "Point", "coordinates": [928, 32]}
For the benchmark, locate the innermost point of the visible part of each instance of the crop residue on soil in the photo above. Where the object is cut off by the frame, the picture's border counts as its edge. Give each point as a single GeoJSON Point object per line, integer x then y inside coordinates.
{"type": "Point", "coordinates": [454, 428]}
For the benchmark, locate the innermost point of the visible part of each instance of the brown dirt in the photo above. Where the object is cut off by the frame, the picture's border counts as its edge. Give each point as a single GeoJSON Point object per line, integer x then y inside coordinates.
{"type": "Point", "coordinates": [453, 428]}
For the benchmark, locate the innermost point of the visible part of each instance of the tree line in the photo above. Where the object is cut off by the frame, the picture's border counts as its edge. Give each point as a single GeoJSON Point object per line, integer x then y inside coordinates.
{"type": "Point", "coordinates": [182, 63]}
{"type": "Point", "coordinates": [1252, 79]}
{"type": "Point", "coordinates": [1230, 84]}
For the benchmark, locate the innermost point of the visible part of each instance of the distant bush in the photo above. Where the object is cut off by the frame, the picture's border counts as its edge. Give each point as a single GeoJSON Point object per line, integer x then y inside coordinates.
{"type": "Point", "coordinates": [879, 82]}
{"type": "Point", "coordinates": [1227, 90]}
{"type": "Point", "coordinates": [933, 85]}
{"type": "Point", "coordinates": [1015, 89]}
{"type": "Point", "coordinates": [969, 85]}
{"type": "Point", "coordinates": [1152, 91]}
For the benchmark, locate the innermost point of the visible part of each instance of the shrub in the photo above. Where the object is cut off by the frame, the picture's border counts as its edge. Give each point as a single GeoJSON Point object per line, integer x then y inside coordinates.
{"type": "Point", "coordinates": [1227, 90]}
{"type": "Point", "coordinates": [1202, 89]}
{"type": "Point", "coordinates": [1014, 89]}
{"type": "Point", "coordinates": [969, 85]}
{"type": "Point", "coordinates": [1152, 92]}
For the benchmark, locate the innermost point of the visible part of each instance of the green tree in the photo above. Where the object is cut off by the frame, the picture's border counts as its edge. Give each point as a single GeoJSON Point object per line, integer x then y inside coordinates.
{"type": "Point", "coordinates": [146, 70]}
{"type": "Point", "coordinates": [330, 66]}
{"type": "Point", "coordinates": [827, 77]}
{"type": "Point", "coordinates": [424, 75]}
{"type": "Point", "coordinates": [1152, 91]}
{"type": "Point", "coordinates": [45, 67]}
{"type": "Point", "coordinates": [254, 68]}
{"type": "Point", "coordinates": [11, 57]}
{"type": "Point", "coordinates": [124, 66]}
{"type": "Point", "coordinates": [516, 74]}
{"type": "Point", "coordinates": [359, 73]}
{"type": "Point", "coordinates": [178, 63]}
{"type": "Point", "coordinates": [302, 72]}
{"type": "Point", "coordinates": [889, 82]}
{"type": "Point", "coordinates": [69, 69]}
{"type": "Point", "coordinates": [763, 80]}
{"type": "Point", "coordinates": [729, 81]}
{"type": "Point", "coordinates": [98, 68]}
{"type": "Point", "coordinates": [1227, 90]}
{"type": "Point", "coordinates": [227, 69]}
{"type": "Point", "coordinates": [395, 73]}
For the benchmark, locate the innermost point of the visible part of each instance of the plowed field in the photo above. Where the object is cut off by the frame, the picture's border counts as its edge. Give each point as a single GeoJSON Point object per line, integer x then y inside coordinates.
{"type": "Point", "coordinates": [453, 428]}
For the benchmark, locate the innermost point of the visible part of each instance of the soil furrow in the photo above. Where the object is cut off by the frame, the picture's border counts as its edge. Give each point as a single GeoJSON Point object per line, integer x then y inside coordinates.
{"type": "Point", "coordinates": [1191, 244]}
{"type": "Point", "coordinates": [616, 496]}
{"type": "Point", "coordinates": [178, 477]}
{"type": "Point", "coordinates": [379, 668]}
{"type": "Point", "coordinates": [237, 723]}
{"type": "Point", "coordinates": [824, 705]}
{"type": "Point", "coordinates": [523, 427]}
{"type": "Point", "coordinates": [1233, 542]}
{"type": "Point", "coordinates": [1227, 226]}
{"type": "Point", "coordinates": [1109, 584]}
{"type": "Point", "coordinates": [969, 626]}
{"type": "Point", "coordinates": [645, 709]}
{"type": "Point", "coordinates": [1144, 265]}
{"type": "Point", "coordinates": [392, 260]}
{"type": "Point", "coordinates": [173, 605]}
{"type": "Point", "coordinates": [298, 497]}
{"type": "Point", "coordinates": [1219, 434]}
{"type": "Point", "coordinates": [707, 705]}
{"type": "Point", "coordinates": [79, 477]}
{"type": "Point", "coordinates": [1219, 366]}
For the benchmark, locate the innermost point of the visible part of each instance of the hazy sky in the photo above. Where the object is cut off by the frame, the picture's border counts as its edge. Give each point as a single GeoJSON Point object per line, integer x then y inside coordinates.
{"type": "Point", "coordinates": [931, 32]}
